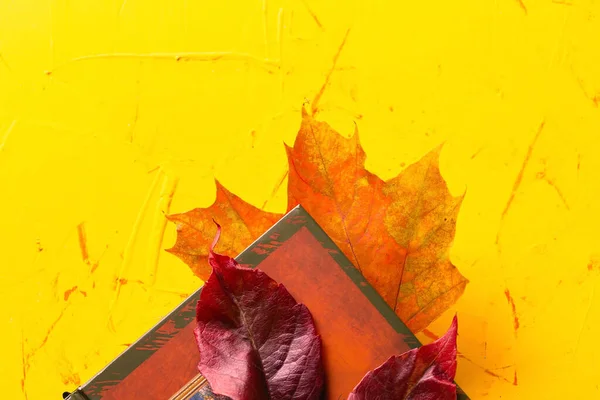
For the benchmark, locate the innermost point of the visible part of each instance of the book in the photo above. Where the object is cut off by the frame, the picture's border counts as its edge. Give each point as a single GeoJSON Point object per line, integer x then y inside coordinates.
{"type": "Point", "coordinates": [358, 329]}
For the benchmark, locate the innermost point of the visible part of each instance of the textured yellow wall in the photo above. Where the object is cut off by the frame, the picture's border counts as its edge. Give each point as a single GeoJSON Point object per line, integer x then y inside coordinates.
{"type": "Point", "coordinates": [103, 130]}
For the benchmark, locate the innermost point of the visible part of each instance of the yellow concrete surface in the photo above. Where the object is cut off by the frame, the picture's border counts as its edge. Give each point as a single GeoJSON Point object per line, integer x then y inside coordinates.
{"type": "Point", "coordinates": [115, 112]}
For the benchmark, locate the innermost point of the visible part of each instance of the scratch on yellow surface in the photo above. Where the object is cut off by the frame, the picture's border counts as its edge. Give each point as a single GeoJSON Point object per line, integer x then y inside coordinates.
{"type": "Point", "coordinates": [7, 133]}
{"type": "Point", "coordinates": [163, 207]}
{"type": "Point", "coordinates": [131, 243]}
{"type": "Point", "coordinates": [116, 112]}
{"type": "Point", "coordinates": [315, 102]}
{"type": "Point", "coordinates": [522, 5]}
{"type": "Point", "coordinates": [585, 318]}
{"type": "Point", "coordinates": [270, 65]}
{"type": "Point", "coordinates": [519, 178]}
{"type": "Point", "coordinates": [312, 14]}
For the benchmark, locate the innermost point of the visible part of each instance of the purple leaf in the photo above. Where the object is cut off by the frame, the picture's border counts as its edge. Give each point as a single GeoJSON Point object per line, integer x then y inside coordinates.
{"type": "Point", "coordinates": [255, 340]}
{"type": "Point", "coordinates": [424, 373]}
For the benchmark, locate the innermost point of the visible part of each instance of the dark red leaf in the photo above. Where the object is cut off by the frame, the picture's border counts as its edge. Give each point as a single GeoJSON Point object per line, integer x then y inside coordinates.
{"type": "Point", "coordinates": [425, 373]}
{"type": "Point", "coordinates": [255, 340]}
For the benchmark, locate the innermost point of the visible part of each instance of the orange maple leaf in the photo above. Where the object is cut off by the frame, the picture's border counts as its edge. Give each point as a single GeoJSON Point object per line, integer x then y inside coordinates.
{"type": "Point", "coordinates": [398, 232]}
{"type": "Point", "coordinates": [196, 229]}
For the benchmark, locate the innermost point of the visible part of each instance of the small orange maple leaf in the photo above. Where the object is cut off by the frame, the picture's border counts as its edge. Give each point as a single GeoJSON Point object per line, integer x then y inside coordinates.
{"type": "Point", "coordinates": [196, 229]}
{"type": "Point", "coordinates": [398, 232]}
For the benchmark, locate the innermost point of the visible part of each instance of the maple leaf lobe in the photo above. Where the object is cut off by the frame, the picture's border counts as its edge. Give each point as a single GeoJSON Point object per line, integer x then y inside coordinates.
{"type": "Point", "coordinates": [195, 229]}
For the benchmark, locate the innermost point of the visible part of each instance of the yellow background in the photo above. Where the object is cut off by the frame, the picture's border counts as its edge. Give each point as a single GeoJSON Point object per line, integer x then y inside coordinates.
{"type": "Point", "coordinates": [111, 109]}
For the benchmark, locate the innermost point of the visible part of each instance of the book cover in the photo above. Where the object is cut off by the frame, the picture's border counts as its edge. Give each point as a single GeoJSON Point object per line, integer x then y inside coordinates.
{"type": "Point", "coordinates": [358, 329]}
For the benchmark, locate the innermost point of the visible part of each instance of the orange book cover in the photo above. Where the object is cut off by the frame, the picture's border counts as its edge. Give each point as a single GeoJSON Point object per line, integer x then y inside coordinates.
{"type": "Point", "coordinates": [358, 329]}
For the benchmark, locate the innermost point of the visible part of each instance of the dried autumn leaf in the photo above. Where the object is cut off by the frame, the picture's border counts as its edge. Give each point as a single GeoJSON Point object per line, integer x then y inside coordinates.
{"type": "Point", "coordinates": [424, 373]}
{"type": "Point", "coordinates": [195, 229]}
{"type": "Point", "coordinates": [255, 341]}
{"type": "Point", "coordinates": [397, 232]}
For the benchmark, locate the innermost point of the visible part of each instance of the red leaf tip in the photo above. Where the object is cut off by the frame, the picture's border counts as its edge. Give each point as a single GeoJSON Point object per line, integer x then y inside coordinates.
{"type": "Point", "coordinates": [453, 326]}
